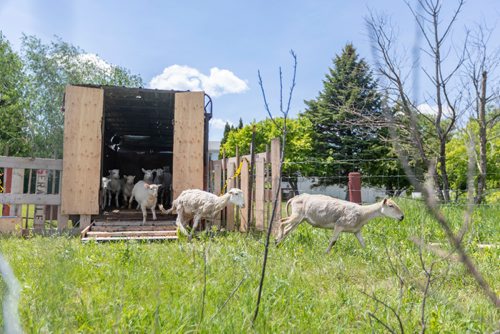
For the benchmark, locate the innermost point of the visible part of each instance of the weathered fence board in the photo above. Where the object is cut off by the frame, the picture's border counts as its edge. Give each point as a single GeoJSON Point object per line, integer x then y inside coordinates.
{"type": "Point", "coordinates": [260, 179]}
{"type": "Point", "coordinates": [258, 202]}
{"type": "Point", "coordinates": [244, 177]}
{"type": "Point", "coordinates": [37, 199]}
{"type": "Point", "coordinates": [30, 163]}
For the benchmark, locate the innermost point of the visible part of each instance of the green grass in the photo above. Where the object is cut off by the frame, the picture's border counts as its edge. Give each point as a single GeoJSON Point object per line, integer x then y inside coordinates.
{"type": "Point", "coordinates": [70, 287]}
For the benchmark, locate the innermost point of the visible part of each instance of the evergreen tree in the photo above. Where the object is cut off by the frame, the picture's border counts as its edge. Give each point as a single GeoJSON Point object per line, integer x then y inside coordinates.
{"type": "Point", "coordinates": [227, 130]}
{"type": "Point", "coordinates": [343, 141]}
{"type": "Point", "coordinates": [240, 124]}
{"type": "Point", "coordinates": [13, 137]}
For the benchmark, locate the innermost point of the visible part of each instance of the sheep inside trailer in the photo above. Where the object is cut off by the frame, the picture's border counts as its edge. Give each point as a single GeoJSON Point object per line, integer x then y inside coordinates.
{"type": "Point", "coordinates": [130, 129]}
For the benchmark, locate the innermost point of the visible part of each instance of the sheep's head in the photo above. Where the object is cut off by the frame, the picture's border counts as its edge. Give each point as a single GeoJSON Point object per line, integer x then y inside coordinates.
{"type": "Point", "coordinates": [105, 182]}
{"type": "Point", "coordinates": [236, 197]}
{"type": "Point", "coordinates": [114, 173]}
{"type": "Point", "coordinates": [148, 174]}
{"type": "Point", "coordinates": [391, 209]}
{"type": "Point", "coordinates": [152, 189]}
{"type": "Point", "coordinates": [129, 179]}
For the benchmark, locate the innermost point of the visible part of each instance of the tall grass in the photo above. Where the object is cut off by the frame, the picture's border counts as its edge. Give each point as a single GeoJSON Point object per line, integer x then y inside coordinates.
{"type": "Point", "coordinates": [71, 287]}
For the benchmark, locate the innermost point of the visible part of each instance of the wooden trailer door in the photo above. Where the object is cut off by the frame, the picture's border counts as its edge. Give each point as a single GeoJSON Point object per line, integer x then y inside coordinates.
{"type": "Point", "coordinates": [189, 136]}
{"type": "Point", "coordinates": [82, 150]}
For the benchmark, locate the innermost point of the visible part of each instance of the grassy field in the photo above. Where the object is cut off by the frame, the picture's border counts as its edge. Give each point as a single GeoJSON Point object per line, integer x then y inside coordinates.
{"type": "Point", "coordinates": [70, 287]}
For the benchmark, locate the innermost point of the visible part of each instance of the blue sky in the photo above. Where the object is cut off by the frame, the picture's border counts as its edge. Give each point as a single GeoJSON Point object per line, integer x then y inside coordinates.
{"type": "Point", "coordinates": [220, 45]}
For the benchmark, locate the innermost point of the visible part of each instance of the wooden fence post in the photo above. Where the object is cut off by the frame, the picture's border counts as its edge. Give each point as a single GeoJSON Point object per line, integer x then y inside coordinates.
{"type": "Point", "coordinates": [41, 188]}
{"type": "Point", "coordinates": [244, 223]}
{"type": "Point", "coordinates": [276, 179]}
{"type": "Point", "coordinates": [260, 178]}
{"type": "Point", "coordinates": [230, 207]}
{"type": "Point", "coordinates": [17, 188]}
{"type": "Point", "coordinates": [217, 165]}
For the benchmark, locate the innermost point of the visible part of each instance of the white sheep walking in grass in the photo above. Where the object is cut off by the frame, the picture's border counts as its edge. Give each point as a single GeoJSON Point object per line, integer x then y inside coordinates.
{"type": "Point", "coordinates": [146, 197]}
{"type": "Point", "coordinates": [198, 204]}
{"type": "Point", "coordinates": [335, 214]}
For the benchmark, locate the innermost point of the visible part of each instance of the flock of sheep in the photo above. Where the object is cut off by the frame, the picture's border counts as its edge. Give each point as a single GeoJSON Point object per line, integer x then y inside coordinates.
{"type": "Point", "coordinates": [157, 183]}
{"type": "Point", "coordinates": [193, 204]}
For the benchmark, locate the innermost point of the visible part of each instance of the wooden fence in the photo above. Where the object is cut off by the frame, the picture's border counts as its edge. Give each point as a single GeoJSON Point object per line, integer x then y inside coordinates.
{"type": "Point", "coordinates": [30, 196]}
{"type": "Point", "coordinates": [259, 184]}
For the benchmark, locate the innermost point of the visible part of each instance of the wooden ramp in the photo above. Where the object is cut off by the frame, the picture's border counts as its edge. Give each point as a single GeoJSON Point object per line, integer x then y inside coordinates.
{"type": "Point", "coordinates": [127, 225]}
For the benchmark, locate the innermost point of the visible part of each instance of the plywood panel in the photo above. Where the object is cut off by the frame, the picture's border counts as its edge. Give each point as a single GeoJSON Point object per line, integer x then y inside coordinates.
{"type": "Point", "coordinates": [189, 135]}
{"type": "Point", "coordinates": [82, 150]}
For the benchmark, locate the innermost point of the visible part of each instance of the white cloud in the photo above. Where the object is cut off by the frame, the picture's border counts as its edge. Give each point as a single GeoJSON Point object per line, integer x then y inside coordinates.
{"type": "Point", "coordinates": [95, 60]}
{"type": "Point", "coordinates": [219, 124]}
{"type": "Point", "coordinates": [427, 109]}
{"type": "Point", "coordinates": [219, 82]}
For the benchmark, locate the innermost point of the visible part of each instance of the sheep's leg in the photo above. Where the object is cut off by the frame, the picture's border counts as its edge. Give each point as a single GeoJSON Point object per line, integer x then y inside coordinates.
{"type": "Point", "coordinates": [287, 226]}
{"type": "Point", "coordinates": [196, 221]}
{"type": "Point", "coordinates": [360, 238]}
{"type": "Point", "coordinates": [153, 211]}
{"type": "Point", "coordinates": [335, 236]}
{"type": "Point", "coordinates": [180, 223]}
{"type": "Point", "coordinates": [144, 214]}
{"type": "Point", "coordinates": [117, 195]}
{"type": "Point", "coordinates": [109, 198]}
{"type": "Point", "coordinates": [130, 201]}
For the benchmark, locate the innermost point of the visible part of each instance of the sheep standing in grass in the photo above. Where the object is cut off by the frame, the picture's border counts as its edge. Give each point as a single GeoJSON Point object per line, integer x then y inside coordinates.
{"type": "Point", "coordinates": [146, 195]}
{"type": "Point", "coordinates": [331, 213]}
{"type": "Point", "coordinates": [198, 204]}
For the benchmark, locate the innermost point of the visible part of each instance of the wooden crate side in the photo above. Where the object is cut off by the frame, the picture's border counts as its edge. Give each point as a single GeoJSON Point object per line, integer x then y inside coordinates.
{"type": "Point", "coordinates": [82, 150]}
{"type": "Point", "coordinates": [189, 136]}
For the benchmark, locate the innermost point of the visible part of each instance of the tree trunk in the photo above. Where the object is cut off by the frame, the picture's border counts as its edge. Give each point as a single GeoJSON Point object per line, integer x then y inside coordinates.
{"type": "Point", "coordinates": [444, 174]}
{"type": "Point", "coordinates": [481, 181]}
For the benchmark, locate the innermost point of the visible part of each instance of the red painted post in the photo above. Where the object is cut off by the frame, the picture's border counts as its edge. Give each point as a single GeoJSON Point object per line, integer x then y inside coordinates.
{"type": "Point", "coordinates": [355, 187]}
{"type": "Point", "coordinates": [7, 188]}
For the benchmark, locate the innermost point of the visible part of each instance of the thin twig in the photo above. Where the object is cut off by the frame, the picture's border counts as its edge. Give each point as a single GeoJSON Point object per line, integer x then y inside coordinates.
{"type": "Point", "coordinates": [229, 298]}
{"type": "Point", "coordinates": [400, 322]}
{"type": "Point", "coordinates": [278, 188]}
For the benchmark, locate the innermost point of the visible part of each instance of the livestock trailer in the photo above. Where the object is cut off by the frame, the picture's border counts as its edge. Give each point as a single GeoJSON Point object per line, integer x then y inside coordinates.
{"type": "Point", "coordinates": [107, 127]}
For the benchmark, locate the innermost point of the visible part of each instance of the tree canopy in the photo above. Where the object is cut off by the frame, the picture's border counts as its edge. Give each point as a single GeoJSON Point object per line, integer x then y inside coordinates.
{"type": "Point", "coordinates": [49, 68]}
{"type": "Point", "coordinates": [13, 124]}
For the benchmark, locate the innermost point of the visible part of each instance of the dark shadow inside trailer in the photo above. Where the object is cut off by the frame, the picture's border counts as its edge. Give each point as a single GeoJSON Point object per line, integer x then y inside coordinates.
{"type": "Point", "coordinates": [138, 131]}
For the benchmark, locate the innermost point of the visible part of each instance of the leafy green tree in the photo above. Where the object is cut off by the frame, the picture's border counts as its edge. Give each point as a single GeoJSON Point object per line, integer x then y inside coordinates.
{"type": "Point", "coordinates": [297, 152]}
{"type": "Point", "coordinates": [457, 159]}
{"type": "Point", "coordinates": [343, 140]}
{"type": "Point", "coordinates": [50, 67]}
{"type": "Point", "coordinates": [13, 137]}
